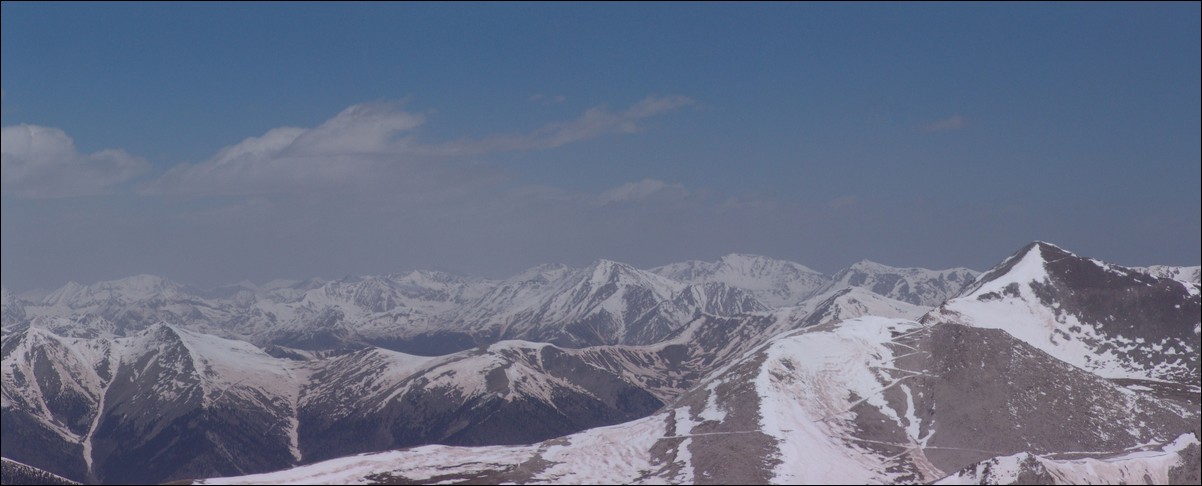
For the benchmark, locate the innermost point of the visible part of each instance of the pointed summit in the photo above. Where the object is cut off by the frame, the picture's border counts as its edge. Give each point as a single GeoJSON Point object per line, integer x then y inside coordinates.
{"type": "Point", "coordinates": [603, 272]}
{"type": "Point", "coordinates": [1108, 319]}
{"type": "Point", "coordinates": [1026, 263]}
{"type": "Point", "coordinates": [137, 288]}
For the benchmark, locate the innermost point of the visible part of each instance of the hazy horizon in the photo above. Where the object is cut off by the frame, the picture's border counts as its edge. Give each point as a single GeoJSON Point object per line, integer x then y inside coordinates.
{"type": "Point", "coordinates": [213, 285]}
{"type": "Point", "coordinates": [211, 144]}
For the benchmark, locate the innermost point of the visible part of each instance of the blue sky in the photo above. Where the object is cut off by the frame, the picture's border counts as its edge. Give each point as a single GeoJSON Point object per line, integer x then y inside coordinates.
{"type": "Point", "coordinates": [483, 138]}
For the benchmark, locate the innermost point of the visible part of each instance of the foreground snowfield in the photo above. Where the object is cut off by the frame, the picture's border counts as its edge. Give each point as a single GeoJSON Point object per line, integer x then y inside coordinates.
{"type": "Point", "coordinates": [597, 467]}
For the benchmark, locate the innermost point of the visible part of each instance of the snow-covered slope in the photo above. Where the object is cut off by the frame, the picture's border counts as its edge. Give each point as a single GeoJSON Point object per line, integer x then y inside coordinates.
{"type": "Point", "coordinates": [776, 283]}
{"type": "Point", "coordinates": [431, 292]}
{"type": "Point", "coordinates": [852, 302]}
{"type": "Point", "coordinates": [377, 310]}
{"type": "Point", "coordinates": [1108, 319]}
{"type": "Point", "coordinates": [850, 402]}
{"type": "Point", "coordinates": [124, 307]}
{"type": "Point", "coordinates": [1183, 274]}
{"type": "Point", "coordinates": [917, 286]}
{"type": "Point", "coordinates": [779, 283]}
{"type": "Point", "coordinates": [1172, 463]}
{"type": "Point", "coordinates": [415, 295]}
{"type": "Point", "coordinates": [605, 303]}
{"type": "Point", "coordinates": [606, 455]}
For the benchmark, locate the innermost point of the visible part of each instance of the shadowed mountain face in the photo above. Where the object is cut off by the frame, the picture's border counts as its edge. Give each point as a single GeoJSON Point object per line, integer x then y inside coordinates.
{"type": "Point", "coordinates": [12, 472]}
{"type": "Point", "coordinates": [181, 404]}
{"type": "Point", "coordinates": [170, 404]}
{"type": "Point", "coordinates": [50, 394]}
{"type": "Point", "coordinates": [162, 404]}
{"type": "Point", "coordinates": [508, 393]}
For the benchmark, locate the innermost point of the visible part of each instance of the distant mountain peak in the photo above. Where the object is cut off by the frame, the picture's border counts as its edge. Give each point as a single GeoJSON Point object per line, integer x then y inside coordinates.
{"type": "Point", "coordinates": [1179, 273]}
{"type": "Point", "coordinates": [134, 288]}
{"type": "Point", "coordinates": [913, 285]}
{"type": "Point", "coordinates": [774, 282]}
{"type": "Point", "coordinates": [1048, 245]}
{"type": "Point", "coordinates": [608, 266]}
{"type": "Point", "coordinates": [542, 272]}
{"type": "Point", "coordinates": [866, 264]}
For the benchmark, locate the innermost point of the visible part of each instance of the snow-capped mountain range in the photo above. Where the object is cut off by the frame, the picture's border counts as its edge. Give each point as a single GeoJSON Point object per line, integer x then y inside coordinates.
{"type": "Point", "coordinates": [776, 283]}
{"type": "Point", "coordinates": [428, 312]}
{"type": "Point", "coordinates": [916, 286]}
{"type": "Point", "coordinates": [1049, 366]}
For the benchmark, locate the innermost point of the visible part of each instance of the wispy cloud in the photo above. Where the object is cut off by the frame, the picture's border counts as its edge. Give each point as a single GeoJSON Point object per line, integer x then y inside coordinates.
{"type": "Point", "coordinates": [593, 123]}
{"type": "Point", "coordinates": [954, 122]}
{"type": "Point", "coordinates": [347, 150]}
{"type": "Point", "coordinates": [643, 190]}
{"type": "Point", "coordinates": [377, 145]}
{"type": "Point", "coordinates": [42, 162]}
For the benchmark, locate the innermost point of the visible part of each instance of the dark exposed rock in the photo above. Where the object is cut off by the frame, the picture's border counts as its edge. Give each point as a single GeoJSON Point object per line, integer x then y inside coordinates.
{"type": "Point", "coordinates": [25, 440]}
{"type": "Point", "coordinates": [12, 472]}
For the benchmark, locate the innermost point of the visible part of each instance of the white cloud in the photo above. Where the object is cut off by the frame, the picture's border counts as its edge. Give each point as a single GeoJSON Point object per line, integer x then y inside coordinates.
{"type": "Point", "coordinates": [954, 122]}
{"type": "Point", "coordinates": [376, 145]}
{"type": "Point", "coordinates": [347, 150]}
{"type": "Point", "coordinates": [643, 190]}
{"type": "Point", "coordinates": [593, 123]}
{"type": "Point", "coordinates": [42, 162]}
